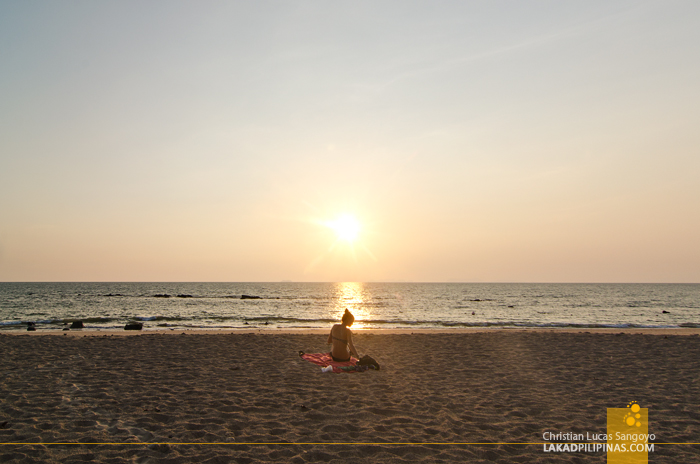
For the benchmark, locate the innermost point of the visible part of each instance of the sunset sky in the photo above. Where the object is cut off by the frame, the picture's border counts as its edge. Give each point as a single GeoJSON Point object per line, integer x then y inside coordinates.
{"type": "Point", "coordinates": [515, 141]}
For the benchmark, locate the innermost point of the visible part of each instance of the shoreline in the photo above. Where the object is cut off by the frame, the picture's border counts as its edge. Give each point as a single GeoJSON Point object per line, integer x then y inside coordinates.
{"type": "Point", "coordinates": [316, 331]}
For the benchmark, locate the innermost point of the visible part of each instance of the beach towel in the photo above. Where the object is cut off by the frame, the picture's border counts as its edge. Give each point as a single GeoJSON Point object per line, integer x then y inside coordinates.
{"type": "Point", "coordinates": [325, 360]}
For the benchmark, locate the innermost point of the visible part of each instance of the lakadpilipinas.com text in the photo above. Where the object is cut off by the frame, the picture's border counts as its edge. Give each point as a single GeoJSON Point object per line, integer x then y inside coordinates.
{"type": "Point", "coordinates": [598, 442]}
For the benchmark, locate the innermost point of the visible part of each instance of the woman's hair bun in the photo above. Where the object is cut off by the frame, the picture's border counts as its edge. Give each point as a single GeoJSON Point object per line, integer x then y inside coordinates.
{"type": "Point", "coordinates": [348, 318]}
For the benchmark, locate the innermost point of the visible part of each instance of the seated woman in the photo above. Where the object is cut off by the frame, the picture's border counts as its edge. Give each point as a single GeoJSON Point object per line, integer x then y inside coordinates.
{"type": "Point", "coordinates": [341, 339]}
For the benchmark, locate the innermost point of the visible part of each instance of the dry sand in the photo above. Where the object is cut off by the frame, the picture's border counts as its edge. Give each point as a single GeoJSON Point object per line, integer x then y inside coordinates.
{"type": "Point", "coordinates": [208, 394]}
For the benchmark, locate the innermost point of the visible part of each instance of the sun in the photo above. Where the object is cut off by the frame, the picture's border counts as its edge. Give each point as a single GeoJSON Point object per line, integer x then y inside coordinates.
{"type": "Point", "coordinates": [346, 227]}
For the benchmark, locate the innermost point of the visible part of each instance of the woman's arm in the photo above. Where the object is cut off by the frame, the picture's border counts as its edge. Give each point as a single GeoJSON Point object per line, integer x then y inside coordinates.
{"type": "Point", "coordinates": [351, 345]}
{"type": "Point", "coordinates": [330, 337]}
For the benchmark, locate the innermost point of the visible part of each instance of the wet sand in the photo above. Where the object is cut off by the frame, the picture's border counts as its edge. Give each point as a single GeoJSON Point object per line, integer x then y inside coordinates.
{"type": "Point", "coordinates": [246, 397]}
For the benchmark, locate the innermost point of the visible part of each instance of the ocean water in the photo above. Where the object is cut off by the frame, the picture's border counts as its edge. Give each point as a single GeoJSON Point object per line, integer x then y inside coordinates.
{"type": "Point", "coordinates": [375, 305]}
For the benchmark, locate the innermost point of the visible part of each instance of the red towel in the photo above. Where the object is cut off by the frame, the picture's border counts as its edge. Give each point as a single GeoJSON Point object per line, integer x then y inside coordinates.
{"type": "Point", "coordinates": [324, 359]}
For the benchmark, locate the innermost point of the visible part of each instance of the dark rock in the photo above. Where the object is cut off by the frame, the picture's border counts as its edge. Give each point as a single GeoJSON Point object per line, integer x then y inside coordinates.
{"type": "Point", "coordinates": [31, 328]}
{"type": "Point", "coordinates": [77, 325]}
{"type": "Point", "coordinates": [185, 296]}
{"type": "Point", "coordinates": [250, 297]}
{"type": "Point", "coordinates": [161, 295]}
{"type": "Point", "coordinates": [665, 312]}
{"type": "Point", "coordinates": [133, 326]}
{"type": "Point", "coordinates": [30, 324]}
{"type": "Point", "coordinates": [66, 328]}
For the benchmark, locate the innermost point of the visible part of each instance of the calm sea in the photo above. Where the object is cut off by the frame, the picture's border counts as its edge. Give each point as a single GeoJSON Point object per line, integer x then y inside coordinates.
{"type": "Point", "coordinates": [375, 305]}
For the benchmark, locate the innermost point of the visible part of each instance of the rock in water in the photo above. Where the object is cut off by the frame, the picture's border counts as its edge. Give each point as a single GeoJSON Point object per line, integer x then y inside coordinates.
{"type": "Point", "coordinates": [77, 325]}
{"type": "Point", "coordinates": [133, 326]}
{"type": "Point", "coordinates": [250, 297]}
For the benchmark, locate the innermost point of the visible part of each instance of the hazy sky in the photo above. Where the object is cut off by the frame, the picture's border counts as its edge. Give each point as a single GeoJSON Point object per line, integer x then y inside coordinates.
{"type": "Point", "coordinates": [527, 141]}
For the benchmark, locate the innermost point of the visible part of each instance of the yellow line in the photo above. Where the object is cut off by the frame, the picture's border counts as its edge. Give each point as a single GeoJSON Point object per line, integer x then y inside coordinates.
{"type": "Point", "coordinates": [268, 443]}
{"type": "Point", "coordinates": [320, 443]}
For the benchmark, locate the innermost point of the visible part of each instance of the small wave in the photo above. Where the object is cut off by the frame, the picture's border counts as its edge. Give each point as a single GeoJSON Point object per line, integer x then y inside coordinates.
{"type": "Point", "coordinates": [6, 323]}
{"type": "Point", "coordinates": [286, 319]}
{"type": "Point", "coordinates": [93, 320]}
{"type": "Point", "coordinates": [161, 318]}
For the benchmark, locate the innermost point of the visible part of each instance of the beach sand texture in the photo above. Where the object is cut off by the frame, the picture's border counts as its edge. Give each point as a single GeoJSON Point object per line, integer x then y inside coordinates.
{"type": "Point", "coordinates": [494, 386]}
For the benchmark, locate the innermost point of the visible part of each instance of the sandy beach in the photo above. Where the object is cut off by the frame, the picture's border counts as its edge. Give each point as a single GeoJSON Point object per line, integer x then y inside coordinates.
{"type": "Point", "coordinates": [247, 397]}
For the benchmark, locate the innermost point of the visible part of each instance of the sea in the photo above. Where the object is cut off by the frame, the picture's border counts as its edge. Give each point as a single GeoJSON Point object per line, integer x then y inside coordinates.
{"type": "Point", "coordinates": [291, 305]}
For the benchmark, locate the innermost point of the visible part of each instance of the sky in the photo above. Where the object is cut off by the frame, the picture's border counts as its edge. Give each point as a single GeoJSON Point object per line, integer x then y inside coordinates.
{"type": "Point", "coordinates": [491, 141]}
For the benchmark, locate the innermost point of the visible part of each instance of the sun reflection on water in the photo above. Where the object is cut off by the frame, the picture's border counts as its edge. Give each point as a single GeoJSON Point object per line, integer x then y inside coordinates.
{"type": "Point", "coordinates": [351, 295]}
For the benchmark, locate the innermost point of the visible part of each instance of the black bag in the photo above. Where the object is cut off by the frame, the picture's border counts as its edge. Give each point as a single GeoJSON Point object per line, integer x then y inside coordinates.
{"type": "Point", "coordinates": [368, 361]}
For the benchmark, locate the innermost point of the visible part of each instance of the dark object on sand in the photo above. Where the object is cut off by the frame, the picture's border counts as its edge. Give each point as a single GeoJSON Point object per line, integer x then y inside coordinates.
{"type": "Point", "coordinates": [133, 326]}
{"type": "Point", "coordinates": [77, 325]}
{"type": "Point", "coordinates": [160, 447]}
{"type": "Point", "coordinates": [250, 297]}
{"type": "Point", "coordinates": [368, 361]}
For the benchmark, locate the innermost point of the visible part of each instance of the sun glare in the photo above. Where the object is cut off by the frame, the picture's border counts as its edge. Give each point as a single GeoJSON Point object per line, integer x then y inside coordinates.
{"type": "Point", "coordinates": [346, 227]}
